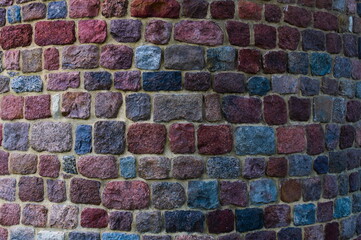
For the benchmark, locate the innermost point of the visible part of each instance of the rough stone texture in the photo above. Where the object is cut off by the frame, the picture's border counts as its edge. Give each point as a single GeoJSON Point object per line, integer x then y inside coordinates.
{"type": "Point", "coordinates": [220, 221]}
{"type": "Point", "coordinates": [37, 107]}
{"type": "Point", "coordinates": [233, 193]}
{"type": "Point", "coordinates": [26, 84]}
{"type": "Point", "coordinates": [223, 167]}
{"type": "Point", "coordinates": [16, 136]}
{"type": "Point", "coordinates": [92, 31]}
{"type": "Point", "coordinates": [126, 30]}
{"type": "Point", "coordinates": [85, 191]}
{"type": "Point", "coordinates": [107, 105]}
{"type": "Point", "coordinates": [102, 167]}
{"type": "Point", "coordinates": [16, 36]}
{"type": "Point", "coordinates": [56, 190]}
{"type": "Point", "coordinates": [116, 57]}
{"type": "Point", "coordinates": [187, 167]}
{"type": "Point", "coordinates": [82, 8]}
{"type": "Point", "coordinates": [121, 221]}
{"type": "Point", "coordinates": [23, 163]}
{"type": "Point", "coordinates": [167, 195]}
{"type": "Point", "coordinates": [109, 137]}
{"type": "Point", "coordinates": [237, 109]}
{"type": "Point", "coordinates": [181, 138]}
{"type": "Point", "coordinates": [149, 222]}
{"type": "Point", "coordinates": [12, 107]}
{"type": "Point", "coordinates": [195, 8]}
{"type": "Point", "coordinates": [8, 189]}
{"type": "Point", "coordinates": [63, 81]}
{"type": "Point", "coordinates": [154, 167]}
{"type": "Point", "coordinates": [114, 8]}
{"type": "Point", "coordinates": [184, 57]}
{"type": "Point", "coordinates": [94, 218]}
{"type": "Point", "coordinates": [127, 81]}
{"type": "Point", "coordinates": [9, 214]}
{"type": "Point", "coordinates": [214, 140]}
{"type": "Point", "coordinates": [148, 57]}
{"type": "Point", "coordinates": [22, 233]}
{"type": "Point", "coordinates": [158, 32]}
{"type": "Point", "coordinates": [31, 189]}
{"type": "Point", "coordinates": [180, 221]}
{"type": "Point", "coordinates": [252, 140]}
{"type": "Point", "coordinates": [157, 8]}
{"type": "Point", "coordinates": [203, 194]}
{"type": "Point", "coordinates": [45, 36]}
{"type": "Point", "coordinates": [83, 56]}
{"type": "Point", "coordinates": [138, 106]}
{"type": "Point", "coordinates": [64, 216]}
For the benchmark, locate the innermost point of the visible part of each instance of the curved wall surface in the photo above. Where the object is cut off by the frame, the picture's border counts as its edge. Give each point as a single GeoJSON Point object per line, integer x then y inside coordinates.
{"type": "Point", "coordinates": [184, 120]}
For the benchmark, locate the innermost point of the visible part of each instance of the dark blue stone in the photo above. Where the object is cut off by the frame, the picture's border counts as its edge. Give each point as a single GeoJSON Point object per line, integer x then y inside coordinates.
{"type": "Point", "coordinates": [84, 236]}
{"type": "Point", "coordinates": [203, 194]}
{"type": "Point", "coordinates": [162, 81]}
{"type": "Point", "coordinates": [290, 233]}
{"type": "Point", "coordinates": [320, 165]}
{"type": "Point", "coordinates": [358, 90]}
{"type": "Point", "coordinates": [83, 141]}
{"type": "Point", "coordinates": [342, 67]}
{"type": "Point", "coordinates": [300, 165]}
{"type": "Point", "coordinates": [347, 88]}
{"type": "Point", "coordinates": [342, 207]}
{"type": "Point", "coordinates": [97, 81]}
{"type": "Point", "coordinates": [356, 203]}
{"type": "Point", "coordinates": [359, 9]}
{"type": "Point", "coordinates": [2, 17]}
{"type": "Point", "coordinates": [249, 219]}
{"type": "Point", "coordinates": [343, 184]}
{"type": "Point", "coordinates": [331, 136]}
{"type": "Point", "coordinates": [337, 162]}
{"type": "Point", "coordinates": [138, 106]}
{"type": "Point", "coordinates": [258, 86]}
{"type": "Point", "coordinates": [304, 214]}
{"type": "Point", "coordinates": [298, 63]}
{"type": "Point", "coordinates": [309, 86]}
{"type": "Point", "coordinates": [57, 10]}
{"type": "Point", "coordinates": [223, 167]}
{"type": "Point", "coordinates": [184, 221]}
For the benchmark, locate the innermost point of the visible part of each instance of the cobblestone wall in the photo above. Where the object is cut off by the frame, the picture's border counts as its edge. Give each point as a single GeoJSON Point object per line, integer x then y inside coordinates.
{"type": "Point", "coordinates": [183, 120]}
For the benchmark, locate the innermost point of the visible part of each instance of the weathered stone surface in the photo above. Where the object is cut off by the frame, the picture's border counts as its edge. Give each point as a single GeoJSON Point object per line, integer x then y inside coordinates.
{"type": "Point", "coordinates": [263, 191]}
{"type": "Point", "coordinates": [254, 168]}
{"type": "Point", "coordinates": [212, 106]}
{"type": "Point", "coordinates": [127, 167]}
{"type": "Point", "coordinates": [154, 167]}
{"type": "Point", "coordinates": [222, 9]}
{"type": "Point", "coordinates": [43, 235]}
{"type": "Point", "coordinates": [187, 167]}
{"type": "Point", "coordinates": [184, 221]}
{"type": "Point", "coordinates": [220, 221]}
{"type": "Point", "coordinates": [138, 106]}
{"type": "Point", "coordinates": [57, 10]}
{"type": "Point", "coordinates": [8, 189]}
{"type": "Point", "coordinates": [229, 83]}
{"type": "Point", "coordinates": [277, 167]}
{"type": "Point", "coordinates": [181, 138]}
{"type": "Point", "coordinates": [12, 107]}
{"type": "Point", "coordinates": [233, 193]}
{"type": "Point", "coordinates": [23, 163]}
{"type": "Point", "coordinates": [12, 60]}
{"type": "Point", "coordinates": [223, 167]}
{"type": "Point", "coordinates": [128, 195]}
{"type": "Point", "coordinates": [56, 190]}
{"type": "Point", "coordinates": [121, 221]}
{"type": "Point", "coordinates": [158, 32]}
{"type": "Point", "coordinates": [274, 110]}
{"type": "Point", "coordinates": [148, 57]}
{"type": "Point", "coordinates": [31, 60]}
{"type": "Point", "coordinates": [26, 84]}
{"type": "Point", "coordinates": [238, 33]}
{"type": "Point", "coordinates": [173, 107]}
{"type": "Point", "coordinates": [85, 191]}
{"type": "Point", "coordinates": [250, 10]}
{"type": "Point", "coordinates": [289, 38]}
{"type": "Point", "coordinates": [184, 57]}
{"type": "Point", "coordinates": [126, 30]}
{"type": "Point", "coordinates": [84, 8]}
{"type": "Point", "coordinates": [155, 8]}
{"type": "Point", "coordinates": [16, 36]}
{"type": "Point", "coordinates": [214, 140]}
{"type": "Point", "coordinates": [299, 165]}
{"type": "Point", "coordinates": [276, 216]}
{"type": "Point", "coordinates": [37, 107]}
{"type": "Point", "coordinates": [94, 218]}
{"type": "Point", "coordinates": [82, 56]}
{"type": "Point", "coordinates": [149, 222]}
{"type": "Point", "coordinates": [9, 214]}
{"type": "Point", "coordinates": [33, 11]}
{"type": "Point", "coordinates": [166, 195]}
{"type": "Point", "coordinates": [114, 8]}
{"type": "Point", "coordinates": [63, 81]}
{"type": "Point", "coordinates": [203, 194]}
{"type": "Point", "coordinates": [64, 216]}
{"type": "Point", "coordinates": [127, 81]}
{"type": "Point", "coordinates": [44, 34]}
{"type": "Point", "coordinates": [69, 165]}
{"type": "Point", "coordinates": [31, 189]}
{"type": "Point", "coordinates": [249, 219]}
{"type": "Point", "coordinates": [109, 137]}
{"type": "Point", "coordinates": [195, 8]}
{"type": "Point", "coordinates": [252, 140]}
{"type": "Point", "coordinates": [163, 80]}
{"type": "Point", "coordinates": [51, 137]}
{"type": "Point", "coordinates": [92, 31]}
{"type": "Point", "coordinates": [16, 136]}
{"type": "Point", "coordinates": [102, 167]}
{"type": "Point", "coordinates": [107, 104]}
{"type": "Point", "coordinates": [237, 109]}
{"type": "Point", "coordinates": [84, 236]}
{"type": "Point", "coordinates": [116, 57]}
{"type": "Point", "coordinates": [290, 190]}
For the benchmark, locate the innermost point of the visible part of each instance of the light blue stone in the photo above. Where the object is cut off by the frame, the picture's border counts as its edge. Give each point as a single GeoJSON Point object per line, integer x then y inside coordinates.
{"type": "Point", "coordinates": [258, 86]}
{"type": "Point", "coordinates": [221, 58]}
{"type": "Point", "coordinates": [203, 194]}
{"type": "Point", "coordinates": [148, 57]}
{"type": "Point", "coordinates": [342, 68]}
{"type": "Point", "coordinates": [223, 167]}
{"type": "Point", "coordinates": [358, 89]}
{"type": "Point", "coordinates": [339, 5]}
{"type": "Point", "coordinates": [348, 227]}
{"type": "Point", "coordinates": [339, 110]}
{"type": "Point", "coordinates": [320, 64]}
{"type": "Point", "coordinates": [13, 14]}
{"type": "Point", "coordinates": [83, 141]}
{"type": "Point", "coordinates": [127, 167]}
{"type": "Point", "coordinates": [347, 88]}
{"type": "Point", "coordinates": [342, 207]}
{"type": "Point", "coordinates": [119, 236]}
{"type": "Point", "coordinates": [22, 233]}
{"type": "Point", "coordinates": [263, 191]}
{"type": "Point", "coordinates": [57, 10]}
{"type": "Point", "coordinates": [252, 140]}
{"type": "Point", "coordinates": [304, 214]}
{"type": "Point", "coordinates": [27, 84]}
{"type": "Point", "coordinates": [300, 165]}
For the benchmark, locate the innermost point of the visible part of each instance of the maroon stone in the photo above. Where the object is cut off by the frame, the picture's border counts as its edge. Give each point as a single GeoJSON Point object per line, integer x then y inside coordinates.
{"type": "Point", "coordinates": [222, 9]}
{"type": "Point", "coordinates": [353, 113]}
{"type": "Point", "coordinates": [102, 167]}
{"type": "Point", "coordinates": [31, 189]}
{"type": "Point", "coordinates": [249, 10]}
{"type": "Point", "coordinates": [325, 21]}
{"type": "Point", "coordinates": [290, 190]}
{"type": "Point", "coordinates": [121, 221]}
{"type": "Point", "coordinates": [197, 81]}
{"type": "Point", "coordinates": [332, 231]}
{"type": "Point", "coordinates": [324, 211]}
{"type": "Point", "coordinates": [300, 108]}
{"type": "Point", "coordinates": [276, 216]}
{"type": "Point", "coordinates": [181, 138]}
{"type": "Point", "coordinates": [234, 193]}
{"type": "Point", "coordinates": [297, 16]}
{"type": "Point", "coordinates": [92, 31]}
{"type": "Point", "coordinates": [214, 139]}
{"type": "Point", "coordinates": [4, 234]}
{"type": "Point", "coordinates": [37, 107]}
{"type": "Point", "coordinates": [220, 221]}
{"type": "Point", "coordinates": [238, 33]}
{"type": "Point", "coordinates": [126, 195]}
{"type": "Point", "coordinates": [187, 167]}
{"type": "Point", "coordinates": [85, 191]}
{"type": "Point", "coordinates": [330, 186]}
{"type": "Point", "coordinates": [229, 83]}
{"type": "Point", "coordinates": [275, 110]}
{"type": "Point", "coordinates": [114, 8]}
{"type": "Point", "coordinates": [272, 13]}
{"type": "Point", "coordinates": [23, 163]}
{"type": "Point", "coordinates": [195, 8]}
{"type": "Point", "coordinates": [63, 81]}
{"type": "Point", "coordinates": [347, 136]}
{"type": "Point", "coordinates": [12, 107]}
{"type": "Point", "coordinates": [275, 62]}
{"type": "Point", "coordinates": [94, 218]}
{"type": "Point", "coordinates": [288, 37]}
{"type": "Point", "coordinates": [51, 59]}
{"type": "Point", "coordinates": [155, 8]}
{"type": "Point", "coordinates": [84, 8]}
{"type": "Point", "coordinates": [9, 214]}
{"type": "Point", "coordinates": [45, 34]}
{"type": "Point", "coordinates": [249, 60]}
{"type": "Point", "coordinates": [237, 109]}
{"type": "Point", "coordinates": [265, 36]}
{"type": "Point", "coordinates": [158, 32]}
{"type": "Point", "coordinates": [16, 36]}
{"type": "Point", "coordinates": [127, 81]}
{"type": "Point", "coordinates": [34, 215]}
{"type": "Point", "coordinates": [49, 166]}
{"type": "Point", "coordinates": [326, 4]}
{"type": "Point", "coordinates": [356, 68]}
{"type": "Point", "coordinates": [116, 57]}
{"type": "Point", "coordinates": [146, 138]}
{"type": "Point", "coordinates": [291, 139]}
{"type": "Point", "coordinates": [315, 139]}
{"type": "Point", "coordinates": [333, 43]}
{"type": "Point", "coordinates": [277, 167]}
{"type": "Point", "coordinates": [56, 190]}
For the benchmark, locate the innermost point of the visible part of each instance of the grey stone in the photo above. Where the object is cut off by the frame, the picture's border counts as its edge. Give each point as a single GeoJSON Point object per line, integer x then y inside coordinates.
{"type": "Point", "coordinates": [27, 84]}
{"type": "Point", "coordinates": [138, 106]}
{"type": "Point", "coordinates": [339, 110]}
{"type": "Point", "coordinates": [347, 88]}
{"type": "Point", "coordinates": [149, 222]}
{"type": "Point", "coordinates": [348, 227]}
{"type": "Point", "coordinates": [8, 189]}
{"type": "Point", "coordinates": [16, 136]}
{"type": "Point", "coordinates": [184, 57]}
{"type": "Point", "coordinates": [22, 233]}
{"type": "Point", "coordinates": [64, 216]}
{"type": "Point", "coordinates": [97, 81]}
{"type": "Point", "coordinates": [223, 167]}
{"type": "Point", "coordinates": [154, 167]}
{"type": "Point", "coordinates": [69, 165]}
{"type": "Point", "coordinates": [32, 60]}
{"type": "Point", "coordinates": [4, 84]}
{"type": "Point", "coordinates": [84, 56]}
{"type": "Point", "coordinates": [107, 104]}
{"type": "Point", "coordinates": [51, 235]}
{"type": "Point", "coordinates": [221, 58]}
{"type": "Point", "coordinates": [167, 195]}
{"type": "Point", "coordinates": [51, 137]}
{"type": "Point", "coordinates": [109, 137]}
{"type": "Point", "coordinates": [56, 190]}
{"type": "Point", "coordinates": [176, 107]}
{"type": "Point", "coordinates": [186, 167]}
{"type": "Point", "coordinates": [284, 84]}
{"type": "Point", "coordinates": [84, 236]}
{"type": "Point", "coordinates": [148, 57]}
{"type": "Point", "coordinates": [322, 108]}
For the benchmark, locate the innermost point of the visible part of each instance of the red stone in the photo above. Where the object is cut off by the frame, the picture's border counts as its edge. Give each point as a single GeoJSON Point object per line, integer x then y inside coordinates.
{"type": "Point", "coordinates": [297, 16]}
{"type": "Point", "coordinates": [16, 36]}
{"type": "Point", "coordinates": [4, 162]}
{"type": "Point", "coordinates": [234, 193]}
{"type": "Point", "coordinates": [84, 8]}
{"type": "Point", "coordinates": [325, 21]}
{"type": "Point", "coordinates": [34, 215]}
{"type": "Point", "coordinates": [276, 216]}
{"type": "Point", "coordinates": [333, 43]}
{"type": "Point", "coordinates": [272, 13]}
{"type": "Point", "coordinates": [94, 218]}
{"type": "Point", "coordinates": [288, 37]}
{"type": "Point", "coordinates": [291, 139]}
{"type": "Point", "coordinates": [23, 163]}
{"type": "Point", "coordinates": [102, 167]}
{"type": "Point", "coordinates": [12, 107]}
{"type": "Point", "coordinates": [51, 59]}
{"type": "Point", "coordinates": [249, 60]}
{"type": "Point", "coordinates": [92, 31]}
{"type": "Point", "coordinates": [265, 36]}
{"type": "Point", "coordinates": [315, 139]}
{"type": "Point", "coordinates": [85, 191]}
{"type": "Point", "coordinates": [49, 166]}
{"type": "Point", "coordinates": [158, 32]}
{"type": "Point", "coordinates": [249, 10]}
{"type": "Point", "coordinates": [116, 57]}
{"type": "Point", "coordinates": [127, 81]}
{"type": "Point", "coordinates": [62, 81]}
{"type": "Point", "coordinates": [155, 8]}
{"type": "Point", "coordinates": [237, 109]}
{"type": "Point", "coordinates": [222, 9]}
{"type": "Point", "coordinates": [9, 214]}
{"type": "Point", "coordinates": [238, 33]}
{"type": "Point", "coordinates": [277, 167]}
{"type": "Point", "coordinates": [181, 138]}
{"type": "Point", "coordinates": [275, 110]}
{"type": "Point", "coordinates": [291, 190]}
{"type": "Point", "coordinates": [31, 189]}
{"type": "Point", "coordinates": [198, 32]}
{"type": "Point", "coordinates": [275, 62]}
{"type": "Point", "coordinates": [214, 139]}
{"type": "Point", "coordinates": [45, 34]}
{"type": "Point", "coordinates": [12, 60]}
{"type": "Point", "coordinates": [126, 195]}
{"type": "Point", "coordinates": [146, 138]}
{"type": "Point", "coordinates": [37, 107]}
{"type": "Point", "coordinates": [220, 221]}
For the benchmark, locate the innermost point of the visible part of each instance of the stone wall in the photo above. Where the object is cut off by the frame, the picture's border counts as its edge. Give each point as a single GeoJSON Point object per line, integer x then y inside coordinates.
{"type": "Point", "coordinates": [183, 120]}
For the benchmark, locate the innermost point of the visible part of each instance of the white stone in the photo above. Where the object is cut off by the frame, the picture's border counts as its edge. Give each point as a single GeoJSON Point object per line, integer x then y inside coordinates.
{"type": "Point", "coordinates": [49, 235]}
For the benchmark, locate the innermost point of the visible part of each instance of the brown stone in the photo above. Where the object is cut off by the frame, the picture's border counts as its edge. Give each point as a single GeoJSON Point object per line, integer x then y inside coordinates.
{"type": "Point", "coordinates": [155, 8]}
{"type": "Point", "coordinates": [291, 190]}
{"type": "Point", "coordinates": [102, 167]}
{"type": "Point", "coordinates": [154, 167]}
{"type": "Point", "coordinates": [23, 163]}
{"type": "Point", "coordinates": [85, 191]}
{"type": "Point", "coordinates": [76, 105]}
{"type": "Point", "coordinates": [114, 8]}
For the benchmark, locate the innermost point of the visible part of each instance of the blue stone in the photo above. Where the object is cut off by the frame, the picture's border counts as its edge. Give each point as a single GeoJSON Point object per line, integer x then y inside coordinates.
{"type": "Point", "coordinates": [320, 165]}
{"type": "Point", "coordinates": [84, 236]}
{"type": "Point", "coordinates": [342, 67]}
{"type": "Point", "coordinates": [138, 106]}
{"type": "Point", "coordinates": [203, 194]}
{"type": "Point", "coordinates": [309, 86]}
{"type": "Point", "coordinates": [300, 165]}
{"type": "Point", "coordinates": [249, 219]}
{"type": "Point", "coordinates": [290, 233]}
{"type": "Point", "coordinates": [343, 184]}
{"type": "Point", "coordinates": [148, 57]}
{"type": "Point", "coordinates": [359, 9]}
{"type": "Point", "coordinates": [258, 86]}
{"type": "Point", "coordinates": [22, 233]}
{"type": "Point", "coordinates": [57, 10]}
{"type": "Point", "coordinates": [97, 81]}
{"type": "Point", "coordinates": [263, 191]}
{"type": "Point", "coordinates": [339, 5]}
{"type": "Point", "coordinates": [339, 110]}
{"type": "Point", "coordinates": [13, 14]}
{"type": "Point", "coordinates": [285, 84]}
{"type": "Point", "coordinates": [27, 84]}
{"type": "Point", "coordinates": [83, 141]}
{"type": "Point", "coordinates": [2, 17]}
{"type": "Point", "coordinates": [358, 89]}
{"type": "Point", "coordinates": [119, 236]}
{"type": "Point", "coordinates": [356, 203]}
{"type": "Point", "coordinates": [348, 227]}
{"type": "Point", "coordinates": [221, 58]}
{"type": "Point", "coordinates": [162, 81]}
{"type": "Point", "coordinates": [223, 167]}
{"type": "Point", "coordinates": [127, 167]}
{"type": "Point", "coordinates": [252, 140]}
{"type": "Point", "coordinates": [69, 165]}
{"type": "Point", "coordinates": [298, 63]}
{"type": "Point", "coordinates": [332, 134]}
{"type": "Point", "coordinates": [359, 39]}
{"type": "Point", "coordinates": [184, 221]}
{"type": "Point", "coordinates": [347, 88]}
{"type": "Point", "coordinates": [337, 161]}
{"type": "Point", "coordinates": [342, 207]}
{"type": "Point", "coordinates": [304, 214]}
{"type": "Point", "coordinates": [320, 64]}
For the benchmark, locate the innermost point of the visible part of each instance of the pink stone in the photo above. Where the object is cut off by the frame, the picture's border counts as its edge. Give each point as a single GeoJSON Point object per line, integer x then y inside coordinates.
{"type": "Point", "coordinates": [23, 163]}
{"type": "Point", "coordinates": [63, 81]}
{"type": "Point", "coordinates": [49, 166]}
{"type": "Point", "coordinates": [158, 32]}
{"type": "Point", "coordinates": [102, 167]}
{"type": "Point", "coordinates": [116, 57]}
{"type": "Point", "coordinates": [92, 31]}
{"type": "Point", "coordinates": [12, 107]}
{"type": "Point", "coordinates": [198, 32]}
{"type": "Point", "coordinates": [34, 215]}
{"type": "Point", "coordinates": [84, 8]}
{"type": "Point", "coordinates": [127, 81]}
{"type": "Point", "coordinates": [94, 218]}
{"type": "Point", "coordinates": [9, 214]}
{"type": "Point", "coordinates": [11, 61]}
{"type": "Point", "coordinates": [51, 59]}
{"type": "Point", "coordinates": [37, 107]}
{"type": "Point", "coordinates": [16, 36]}
{"type": "Point", "coordinates": [155, 8]}
{"type": "Point", "coordinates": [64, 216]}
{"type": "Point", "coordinates": [3, 234]}
{"type": "Point", "coordinates": [126, 195]}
